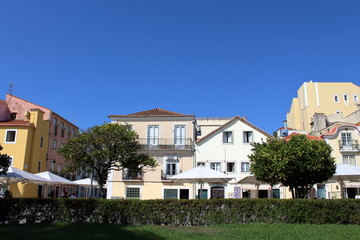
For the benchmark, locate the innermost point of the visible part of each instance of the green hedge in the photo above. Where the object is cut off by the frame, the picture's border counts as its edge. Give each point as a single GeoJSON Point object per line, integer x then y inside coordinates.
{"type": "Point", "coordinates": [181, 212]}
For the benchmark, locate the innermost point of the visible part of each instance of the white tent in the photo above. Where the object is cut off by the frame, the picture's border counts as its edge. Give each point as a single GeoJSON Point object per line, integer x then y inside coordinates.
{"type": "Point", "coordinates": [85, 182]}
{"type": "Point", "coordinates": [15, 175]}
{"type": "Point", "coordinates": [345, 172]}
{"type": "Point", "coordinates": [201, 175]}
{"type": "Point", "coordinates": [54, 179]}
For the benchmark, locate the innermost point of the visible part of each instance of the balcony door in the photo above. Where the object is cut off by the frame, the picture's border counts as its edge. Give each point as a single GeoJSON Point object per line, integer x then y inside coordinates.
{"type": "Point", "coordinates": [346, 141]}
{"type": "Point", "coordinates": [179, 137]}
{"type": "Point", "coordinates": [153, 135]}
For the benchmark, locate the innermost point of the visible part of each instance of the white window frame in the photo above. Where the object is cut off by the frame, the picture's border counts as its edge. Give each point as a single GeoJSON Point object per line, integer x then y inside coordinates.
{"type": "Point", "coordinates": [356, 98]}
{"type": "Point", "coordinates": [246, 137]}
{"type": "Point", "coordinates": [6, 133]}
{"type": "Point", "coordinates": [245, 164]}
{"type": "Point", "coordinates": [346, 97]}
{"type": "Point", "coordinates": [134, 186]}
{"type": "Point", "coordinates": [52, 167]}
{"type": "Point", "coordinates": [228, 137]}
{"type": "Point", "coordinates": [214, 164]}
{"type": "Point", "coordinates": [173, 161]}
{"type": "Point", "coordinates": [11, 161]}
{"type": "Point", "coordinates": [349, 159]}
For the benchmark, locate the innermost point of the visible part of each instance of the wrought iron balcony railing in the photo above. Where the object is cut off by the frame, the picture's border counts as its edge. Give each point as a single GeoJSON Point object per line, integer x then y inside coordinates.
{"type": "Point", "coordinates": [167, 175]}
{"type": "Point", "coordinates": [132, 175]}
{"type": "Point", "coordinates": [351, 145]}
{"type": "Point", "coordinates": [166, 143]}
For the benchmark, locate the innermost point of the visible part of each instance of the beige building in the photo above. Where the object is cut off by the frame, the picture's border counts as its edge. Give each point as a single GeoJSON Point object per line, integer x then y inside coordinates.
{"type": "Point", "coordinates": [322, 97]}
{"type": "Point", "coordinates": [224, 145]}
{"type": "Point", "coordinates": [168, 137]}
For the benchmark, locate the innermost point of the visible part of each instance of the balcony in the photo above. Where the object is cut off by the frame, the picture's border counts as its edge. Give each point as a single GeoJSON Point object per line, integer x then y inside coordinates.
{"type": "Point", "coordinates": [130, 175]}
{"type": "Point", "coordinates": [166, 177]}
{"type": "Point", "coordinates": [166, 143]}
{"type": "Point", "coordinates": [351, 145]}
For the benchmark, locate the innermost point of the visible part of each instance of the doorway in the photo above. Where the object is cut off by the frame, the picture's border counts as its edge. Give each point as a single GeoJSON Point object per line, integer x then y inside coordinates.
{"type": "Point", "coordinates": [217, 192]}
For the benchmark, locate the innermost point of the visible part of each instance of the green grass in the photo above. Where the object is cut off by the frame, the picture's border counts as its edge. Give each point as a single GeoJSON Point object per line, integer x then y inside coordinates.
{"type": "Point", "coordinates": [78, 231]}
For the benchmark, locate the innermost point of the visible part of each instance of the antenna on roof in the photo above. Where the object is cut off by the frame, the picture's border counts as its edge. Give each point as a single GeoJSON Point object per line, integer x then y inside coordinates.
{"type": "Point", "coordinates": [11, 86]}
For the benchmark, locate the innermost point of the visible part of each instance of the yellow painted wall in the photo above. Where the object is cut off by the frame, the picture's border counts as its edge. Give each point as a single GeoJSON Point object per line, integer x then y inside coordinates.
{"type": "Point", "coordinates": [318, 97]}
{"type": "Point", "coordinates": [26, 151]}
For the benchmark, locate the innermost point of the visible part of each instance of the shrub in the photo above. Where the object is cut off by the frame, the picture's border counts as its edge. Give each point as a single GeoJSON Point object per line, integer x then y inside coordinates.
{"type": "Point", "coordinates": [181, 212]}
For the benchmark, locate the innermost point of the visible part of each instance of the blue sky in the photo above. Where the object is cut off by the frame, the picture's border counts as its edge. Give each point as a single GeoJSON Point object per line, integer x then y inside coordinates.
{"type": "Point", "coordinates": [89, 59]}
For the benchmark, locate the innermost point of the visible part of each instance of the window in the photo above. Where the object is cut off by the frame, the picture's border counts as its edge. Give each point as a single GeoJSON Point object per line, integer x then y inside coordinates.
{"type": "Point", "coordinates": [171, 168]}
{"type": "Point", "coordinates": [10, 136]}
{"type": "Point", "coordinates": [52, 167]}
{"type": "Point", "coordinates": [200, 164]}
{"type": "Point", "coordinates": [11, 161]}
{"type": "Point", "coordinates": [356, 98]}
{"type": "Point", "coordinates": [349, 159]}
{"type": "Point", "coordinates": [62, 129]}
{"type": "Point", "coordinates": [68, 131]}
{"type": "Point", "coordinates": [39, 166]}
{"type": "Point", "coordinates": [54, 144]}
{"type": "Point", "coordinates": [153, 135]}
{"type": "Point", "coordinates": [215, 166]}
{"type": "Point", "coordinates": [59, 168]}
{"type": "Point", "coordinates": [336, 98]}
{"type": "Point", "coordinates": [227, 137]}
{"type": "Point", "coordinates": [55, 126]}
{"type": "Point", "coordinates": [346, 98]}
{"type": "Point", "coordinates": [230, 167]}
{"type": "Point", "coordinates": [346, 141]}
{"type": "Point", "coordinates": [179, 137]}
{"type": "Point", "coordinates": [170, 194]}
{"type": "Point", "coordinates": [248, 137]}
{"type": "Point", "coordinates": [245, 167]}
{"type": "Point", "coordinates": [41, 141]}
{"type": "Point", "coordinates": [132, 193]}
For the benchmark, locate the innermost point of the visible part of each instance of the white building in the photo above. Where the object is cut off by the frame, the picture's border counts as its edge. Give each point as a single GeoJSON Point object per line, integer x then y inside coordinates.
{"type": "Point", "coordinates": [224, 145]}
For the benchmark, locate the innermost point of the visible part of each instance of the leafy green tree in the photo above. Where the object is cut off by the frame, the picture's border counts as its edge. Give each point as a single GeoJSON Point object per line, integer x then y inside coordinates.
{"type": "Point", "coordinates": [298, 163]}
{"type": "Point", "coordinates": [4, 162]}
{"type": "Point", "coordinates": [103, 148]}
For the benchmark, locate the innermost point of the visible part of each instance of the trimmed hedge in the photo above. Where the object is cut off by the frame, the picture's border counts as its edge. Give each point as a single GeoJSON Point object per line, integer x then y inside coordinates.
{"type": "Point", "coordinates": [181, 212]}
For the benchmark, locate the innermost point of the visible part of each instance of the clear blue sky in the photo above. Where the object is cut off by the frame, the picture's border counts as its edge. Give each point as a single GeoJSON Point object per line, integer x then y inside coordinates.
{"type": "Point", "coordinates": [89, 59]}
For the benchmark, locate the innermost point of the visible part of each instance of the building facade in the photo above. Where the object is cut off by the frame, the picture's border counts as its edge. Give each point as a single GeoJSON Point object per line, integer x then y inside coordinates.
{"type": "Point", "coordinates": [321, 97]}
{"type": "Point", "coordinates": [50, 131]}
{"type": "Point", "coordinates": [169, 138]}
{"type": "Point", "coordinates": [224, 146]}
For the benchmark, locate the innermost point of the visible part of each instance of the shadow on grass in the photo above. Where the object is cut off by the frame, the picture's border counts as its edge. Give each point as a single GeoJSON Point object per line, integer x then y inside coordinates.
{"type": "Point", "coordinates": [78, 231]}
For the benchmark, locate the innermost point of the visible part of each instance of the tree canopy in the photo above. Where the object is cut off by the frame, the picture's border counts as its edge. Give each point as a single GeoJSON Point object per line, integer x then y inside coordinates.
{"type": "Point", "coordinates": [298, 163]}
{"type": "Point", "coordinates": [101, 149]}
{"type": "Point", "coordinates": [4, 162]}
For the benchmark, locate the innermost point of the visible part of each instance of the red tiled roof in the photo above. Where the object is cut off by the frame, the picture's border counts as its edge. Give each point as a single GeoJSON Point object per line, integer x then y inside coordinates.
{"type": "Point", "coordinates": [14, 123]}
{"type": "Point", "coordinates": [158, 112]}
{"type": "Point", "coordinates": [307, 136]}
{"type": "Point", "coordinates": [336, 127]}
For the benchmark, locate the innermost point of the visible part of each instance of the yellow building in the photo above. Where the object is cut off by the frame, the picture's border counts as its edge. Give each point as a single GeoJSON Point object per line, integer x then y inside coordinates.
{"type": "Point", "coordinates": [26, 142]}
{"type": "Point", "coordinates": [322, 97]}
{"type": "Point", "coordinates": [166, 136]}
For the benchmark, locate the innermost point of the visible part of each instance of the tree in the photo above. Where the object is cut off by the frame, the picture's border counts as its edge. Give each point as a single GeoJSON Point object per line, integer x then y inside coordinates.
{"type": "Point", "coordinates": [298, 163]}
{"type": "Point", "coordinates": [101, 149]}
{"type": "Point", "coordinates": [4, 162]}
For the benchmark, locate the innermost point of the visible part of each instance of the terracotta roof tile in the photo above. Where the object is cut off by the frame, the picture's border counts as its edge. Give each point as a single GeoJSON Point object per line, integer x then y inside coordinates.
{"type": "Point", "coordinates": [307, 136]}
{"type": "Point", "coordinates": [157, 112]}
{"type": "Point", "coordinates": [16, 123]}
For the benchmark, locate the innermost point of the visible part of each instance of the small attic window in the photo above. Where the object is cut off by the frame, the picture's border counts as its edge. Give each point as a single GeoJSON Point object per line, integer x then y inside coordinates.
{"type": "Point", "coordinates": [336, 98]}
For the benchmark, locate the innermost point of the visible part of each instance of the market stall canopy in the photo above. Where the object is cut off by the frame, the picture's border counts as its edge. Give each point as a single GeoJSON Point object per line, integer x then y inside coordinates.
{"type": "Point", "coordinates": [85, 182]}
{"type": "Point", "coordinates": [202, 174]}
{"type": "Point", "coordinates": [346, 172]}
{"type": "Point", "coordinates": [54, 179]}
{"type": "Point", "coordinates": [15, 175]}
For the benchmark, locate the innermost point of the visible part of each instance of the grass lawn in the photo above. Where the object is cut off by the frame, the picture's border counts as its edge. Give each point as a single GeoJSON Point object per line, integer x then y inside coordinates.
{"type": "Point", "coordinates": [78, 231]}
